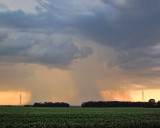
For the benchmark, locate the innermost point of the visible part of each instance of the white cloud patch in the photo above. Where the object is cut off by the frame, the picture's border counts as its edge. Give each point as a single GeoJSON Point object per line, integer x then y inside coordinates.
{"type": "Point", "coordinates": [26, 5]}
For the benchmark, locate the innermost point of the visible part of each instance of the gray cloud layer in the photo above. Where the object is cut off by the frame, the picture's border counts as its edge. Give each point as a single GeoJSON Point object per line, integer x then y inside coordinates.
{"type": "Point", "coordinates": [122, 34]}
{"type": "Point", "coordinates": [41, 49]}
{"type": "Point", "coordinates": [131, 28]}
{"type": "Point", "coordinates": [42, 38]}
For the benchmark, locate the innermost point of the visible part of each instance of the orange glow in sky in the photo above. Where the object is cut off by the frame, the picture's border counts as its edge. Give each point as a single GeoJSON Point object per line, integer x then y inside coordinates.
{"type": "Point", "coordinates": [131, 95]}
{"type": "Point", "coordinates": [115, 95]}
{"type": "Point", "coordinates": [13, 97]}
{"type": "Point", "coordinates": [148, 94]}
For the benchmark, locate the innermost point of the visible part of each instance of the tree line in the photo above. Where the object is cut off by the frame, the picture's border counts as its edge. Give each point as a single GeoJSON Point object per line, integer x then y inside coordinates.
{"type": "Point", "coordinates": [150, 103]}
{"type": "Point", "coordinates": [50, 104]}
{"type": "Point", "coordinates": [111, 104]}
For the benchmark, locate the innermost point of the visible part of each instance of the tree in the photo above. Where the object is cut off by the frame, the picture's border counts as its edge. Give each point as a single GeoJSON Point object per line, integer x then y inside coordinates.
{"type": "Point", "coordinates": [158, 104]}
{"type": "Point", "coordinates": [152, 103]}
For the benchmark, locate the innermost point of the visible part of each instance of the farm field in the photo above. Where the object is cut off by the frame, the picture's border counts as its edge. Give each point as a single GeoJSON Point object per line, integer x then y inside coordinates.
{"type": "Point", "coordinates": [76, 117]}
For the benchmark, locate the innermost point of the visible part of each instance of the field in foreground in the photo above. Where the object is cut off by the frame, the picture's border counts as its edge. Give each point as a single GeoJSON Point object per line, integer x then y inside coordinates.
{"type": "Point", "coordinates": [21, 117]}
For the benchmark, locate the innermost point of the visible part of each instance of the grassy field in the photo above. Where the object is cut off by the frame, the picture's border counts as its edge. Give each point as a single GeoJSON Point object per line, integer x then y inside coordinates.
{"type": "Point", "coordinates": [20, 117]}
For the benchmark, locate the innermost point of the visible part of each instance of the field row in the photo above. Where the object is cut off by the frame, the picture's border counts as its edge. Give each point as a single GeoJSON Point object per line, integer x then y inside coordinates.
{"type": "Point", "coordinates": [21, 117]}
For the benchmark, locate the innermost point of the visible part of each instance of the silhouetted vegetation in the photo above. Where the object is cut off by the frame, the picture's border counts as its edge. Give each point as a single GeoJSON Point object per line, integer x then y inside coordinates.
{"type": "Point", "coordinates": [150, 104]}
{"type": "Point", "coordinates": [158, 104]}
{"type": "Point", "coordinates": [113, 104]}
{"type": "Point", "coordinates": [50, 104]}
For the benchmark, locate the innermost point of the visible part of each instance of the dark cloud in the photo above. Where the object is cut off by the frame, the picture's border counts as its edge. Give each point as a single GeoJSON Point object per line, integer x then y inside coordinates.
{"type": "Point", "coordinates": [3, 7]}
{"type": "Point", "coordinates": [51, 17]}
{"type": "Point", "coordinates": [22, 21]}
{"type": "Point", "coordinates": [3, 36]}
{"type": "Point", "coordinates": [124, 35]}
{"type": "Point", "coordinates": [47, 50]}
{"type": "Point", "coordinates": [131, 28]}
{"type": "Point", "coordinates": [25, 48]}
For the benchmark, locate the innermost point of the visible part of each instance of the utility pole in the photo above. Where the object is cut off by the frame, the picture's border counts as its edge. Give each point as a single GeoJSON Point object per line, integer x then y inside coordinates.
{"type": "Point", "coordinates": [142, 96]}
{"type": "Point", "coordinates": [20, 99]}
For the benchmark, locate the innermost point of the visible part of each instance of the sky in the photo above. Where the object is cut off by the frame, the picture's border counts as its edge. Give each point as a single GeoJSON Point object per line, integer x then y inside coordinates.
{"type": "Point", "coordinates": [79, 50]}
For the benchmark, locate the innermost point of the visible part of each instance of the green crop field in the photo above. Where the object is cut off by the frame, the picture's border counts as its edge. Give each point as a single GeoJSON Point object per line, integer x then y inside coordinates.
{"type": "Point", "coordinates": [29, 117]}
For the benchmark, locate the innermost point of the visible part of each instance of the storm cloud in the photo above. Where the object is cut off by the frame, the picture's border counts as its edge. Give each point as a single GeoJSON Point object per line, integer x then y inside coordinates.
{"type": "Point", "coordinates": [129, 27]}
{"type": "Point", "coordinates": [96, 41]}
{"type": "Point", "coordinates": [42, 49]}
